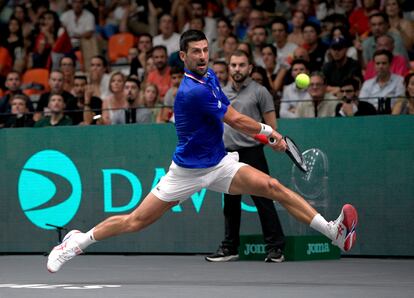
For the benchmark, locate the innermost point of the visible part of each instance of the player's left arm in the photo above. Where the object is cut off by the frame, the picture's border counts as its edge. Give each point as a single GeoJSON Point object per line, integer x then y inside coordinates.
{"type": "Point", "coordinates": [251, 127]}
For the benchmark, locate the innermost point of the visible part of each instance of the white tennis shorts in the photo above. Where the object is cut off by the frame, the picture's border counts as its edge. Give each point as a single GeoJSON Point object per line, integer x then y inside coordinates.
{"type": "Point", "coordinates": [180, 183]}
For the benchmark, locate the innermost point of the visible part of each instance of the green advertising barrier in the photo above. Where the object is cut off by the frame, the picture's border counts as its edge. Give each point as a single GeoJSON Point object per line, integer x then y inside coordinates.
{"type": "Point", "coordinates": [77, 176]}
{"type": "Point", "coordinates": [297, 248]}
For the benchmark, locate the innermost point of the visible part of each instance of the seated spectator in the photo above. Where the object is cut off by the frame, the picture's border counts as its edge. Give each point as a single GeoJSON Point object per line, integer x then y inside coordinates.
{"type": "Point", "coordinates": [57, 116]}
{"type": "Point", "coordinates": [341, 67]}
{"type": "Point", "coordinates": [221, 70]}
{"type": "Point", "coordinates": [342, 32]}
{"type": "Point", "coordinates": [351, 105]}
{"type": "Point", "coordinates": [398, 23]}
{"type": "Point", "coordinates": [51, 43]}
{"type": "Point", "coordinates": [405, 105]}
{"type": "Point", "coordinates": [379, 26]}
{"type": "Point", "coordinates": [198, 9]}
{"type": "Point", "coordinates": [383, 89]}
{"type": "Point", "coordinates": [21, 14]}
{"type": "Point", "coordinates": [259, 75]}
{"type": "Point", "coordinates": [144, 48]}
{"type": "Point", "coordinates": [276, 72]}
{"type": "Point", "coordinates": [241, 20]}
{"type": "Point", "coordinates": [56, 87]}
{"type": "Point", "coordinates": [79, 22]}
{"type": "Point", "coordinates": [87, 105]}
{"type": "Point", "coordinates": [280, 36]}
{"type": "Point", "coordinates": [258, 36]}
{"type": "Point", "coordinates": [224, 29]}
{"type": "Point", "coordinates": [229, 46]}
{"type": "Point", "coordinates": [292, 95]}
{"type": "Point", "coordinates": [296, 35]}
{"type": "Point", "coordinates": [67, 66]}
{"type": "Point", "coordinates": [98, 77]}
{"type": "Point", "coordinates": [6, 65]}
{"type": "Point", "coordinates": [131, 93]}
{"type": "Point", "coordinates": [399, 64]}
{"type": "Point", "coordinates": [167, 37]}
{"type": "Point", "coordinates": [14, 43]}
{"type": "Point", "coordinates": [113, 107]}
{"type": "Point", "coordinates": [166, 114]}
{"type": "Point", "coordinates": [314, 45]}
{"type": "Point", "coordinates": [161, 75]}
{"type": "Point", "coordinates": [359, 18]}
{"type": "Point", "coordinates": [13, 87]}
{"type": "Point", "coordinates": [322, 104]}
{"type": "Point", "coordinates": [21, 117]}
{"type": "Point", "coordinates": [149, 111]}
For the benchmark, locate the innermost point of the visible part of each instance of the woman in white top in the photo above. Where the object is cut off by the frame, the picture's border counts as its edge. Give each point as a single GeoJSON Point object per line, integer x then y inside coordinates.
{"type": "Point", "coordinates": [113, 107]}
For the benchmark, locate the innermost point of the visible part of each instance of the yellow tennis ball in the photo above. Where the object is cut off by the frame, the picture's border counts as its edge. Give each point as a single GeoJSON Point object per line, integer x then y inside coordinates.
{"type": "Point", "coordinates": [302, 81]}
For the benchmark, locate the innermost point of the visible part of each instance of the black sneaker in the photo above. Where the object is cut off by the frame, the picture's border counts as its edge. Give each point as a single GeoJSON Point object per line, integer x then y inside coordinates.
{"type": "Point", "coordinates": [275, 255]}
{"type": "Point", "coordinates": [222, 255]}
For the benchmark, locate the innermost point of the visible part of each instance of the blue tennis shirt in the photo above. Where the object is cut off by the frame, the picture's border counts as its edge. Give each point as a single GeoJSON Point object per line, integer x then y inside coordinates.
{"type": "Point", "coordinates": [199, 108]}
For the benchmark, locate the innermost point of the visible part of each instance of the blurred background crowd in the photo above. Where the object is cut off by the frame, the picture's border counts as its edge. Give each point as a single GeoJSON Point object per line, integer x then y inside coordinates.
{"type": "Point", "coordinates": [86, 62]}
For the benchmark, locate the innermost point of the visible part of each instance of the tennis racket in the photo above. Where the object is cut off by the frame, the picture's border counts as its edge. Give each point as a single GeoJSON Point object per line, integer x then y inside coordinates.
{"type": "Point", "coordinates": [292, 150]}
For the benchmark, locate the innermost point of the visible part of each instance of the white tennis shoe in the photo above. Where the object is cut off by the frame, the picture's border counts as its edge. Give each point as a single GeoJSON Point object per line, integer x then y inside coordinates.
{"type": "Point", "coordinates": [343, 228]}
{"type": "Point", "coordinates": [64, 252]}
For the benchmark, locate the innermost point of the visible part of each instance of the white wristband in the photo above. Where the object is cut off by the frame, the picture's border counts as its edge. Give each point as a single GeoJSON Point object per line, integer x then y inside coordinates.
{"type": "Point", "coordinates": [265, 129]}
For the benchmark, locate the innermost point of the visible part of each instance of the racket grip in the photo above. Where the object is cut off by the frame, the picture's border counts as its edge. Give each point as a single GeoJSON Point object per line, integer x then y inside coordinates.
{"type": "Point", "coordinates": [264, 139]}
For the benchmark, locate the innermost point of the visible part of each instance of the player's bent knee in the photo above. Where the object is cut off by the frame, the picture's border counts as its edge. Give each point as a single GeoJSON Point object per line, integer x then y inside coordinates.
{"type": "Point", "coordinates": [277, 189]}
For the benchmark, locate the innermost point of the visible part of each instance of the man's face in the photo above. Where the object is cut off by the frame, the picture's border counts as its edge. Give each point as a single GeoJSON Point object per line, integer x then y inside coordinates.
{"type": "Point", "coordinates": [56, 104]}
{"type": "Point", "coordinates": [176, 79]}
{"type": "Point", "coordinates": [221, 72]}
{"type": "Point", "coordinates": [347, 93]}
{"type": "Point", "coordinates": [269, 59]}
{"type": "Point", "coordinates": [197, 10]}
{"type": "Point", "coordinates": [385, 43]}
{"type": "Point", "coordinates": [77, 6]}
{"type": "Point", "coordinates": [317, 88]}
{"type": "Point", "coordinates": [338, 54]}
{"type": "Point", "coordinates": [378, 26]}
{"type": "Point", "coordinates": [160, 59]}
{"type": "Point", "coordinates": [297, 69]}
{"type": "Point", "coordinates": [144, 44]}
{"type": "Point", "coordinates": [131, 91]}
{"type": "Point", "coordinates": [166, 25]}
{"type": "Point", "coordinates": [382, 65]}
{"type": "Point", "coordinates": [56, 82]}
{"type": "Point", "coordinates": [18, 106]}
{"type": "Point", "coordinates": [258, 37]}
{"type": "Point", "coordinates": [348, 5]}
{"type": "Point", "coordinates": [13, 82]}
{"type": "Point", "coordinates": [196, 57]}
{"type": "Point", "coordinates": [310, 35]}
{"type": "Point", "coordinates": [239, 68]}
{"type": "Point", "coordinates": [79, 86]}
{"type": "Point", "coordinates": [278, 32]}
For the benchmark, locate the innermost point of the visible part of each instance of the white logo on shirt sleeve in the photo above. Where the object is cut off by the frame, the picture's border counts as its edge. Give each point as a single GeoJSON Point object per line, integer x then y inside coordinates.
{"type": "Point", "coordinates": [219, 104]}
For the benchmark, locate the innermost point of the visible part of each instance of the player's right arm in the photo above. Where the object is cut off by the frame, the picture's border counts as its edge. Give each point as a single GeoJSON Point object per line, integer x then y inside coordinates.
{"type": "Point", "coordinates": [251, 127]}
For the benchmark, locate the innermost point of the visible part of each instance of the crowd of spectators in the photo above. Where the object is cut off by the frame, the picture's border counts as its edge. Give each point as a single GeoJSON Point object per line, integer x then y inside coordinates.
{"type": "Point", "coordinates": [116, 62]}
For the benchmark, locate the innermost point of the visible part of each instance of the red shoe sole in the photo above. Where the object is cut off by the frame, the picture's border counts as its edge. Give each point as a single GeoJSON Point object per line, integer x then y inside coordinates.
{"type": "Point", "coordinates": [350, 221]}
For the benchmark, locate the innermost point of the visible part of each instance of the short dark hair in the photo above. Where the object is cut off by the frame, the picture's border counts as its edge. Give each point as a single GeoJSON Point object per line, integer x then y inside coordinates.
{"type": "Point", "coordinates": [145, 34]}
{"type": "Point", "coordinates": [102, 58]}
{"type": "Point", "coordinates": [22, 97]}
{"type": "Point", "coordinates": [315, 26]}
{"type": "Point", "coordinates": [281, 20]}
{"type": "Point", "coordinates": [320, 74]}
{"type": "Point", "coordinates": [160, 47]}
{"type": "Point", "coordinates": [240, 53]}
{"type": "Point", "coordinates": [190, 36]}
{"type": "Point", "coordinates": [133, 79]}
{"type": "Point", "coordinates": [220, 62]}
{"type": "Point", "coordinates": [300, 61]}
{"type": "Point", "coordinates": [383, 15]}
{"type": "Point", "coordinates": [387, 53]}
{"type": "Point", "coordinates": [350, 81]}
{"type": "Point", "coordinates": [271, 47]}
{"type": "Point", "coordinates": [176, 70]}
{"type": "Point", "coordinates": [81, 77]}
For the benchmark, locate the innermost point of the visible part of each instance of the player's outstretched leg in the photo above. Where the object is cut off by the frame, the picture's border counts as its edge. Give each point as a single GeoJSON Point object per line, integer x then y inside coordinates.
{"type": "Point", "coordinates": [342, 231]}
{"type": "Point", "coordinates": [75, 242]}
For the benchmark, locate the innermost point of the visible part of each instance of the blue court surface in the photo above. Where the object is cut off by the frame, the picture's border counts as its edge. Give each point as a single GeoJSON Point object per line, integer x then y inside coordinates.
{"type": "Point", "coordinates": [190, 276]}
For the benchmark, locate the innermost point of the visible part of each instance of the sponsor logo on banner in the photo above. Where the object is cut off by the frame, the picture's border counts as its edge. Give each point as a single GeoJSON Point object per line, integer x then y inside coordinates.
{"type": "Point", "coordinates": [49, 189]}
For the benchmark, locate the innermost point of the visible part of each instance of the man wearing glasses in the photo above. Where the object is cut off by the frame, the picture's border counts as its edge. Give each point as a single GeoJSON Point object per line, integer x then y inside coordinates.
{"type": "Point", "coordinates": [350, 105]}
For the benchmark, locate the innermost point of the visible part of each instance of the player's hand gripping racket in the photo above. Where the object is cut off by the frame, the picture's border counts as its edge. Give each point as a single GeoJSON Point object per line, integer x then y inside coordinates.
{"type": "Point", "coordinates": [292, 150]}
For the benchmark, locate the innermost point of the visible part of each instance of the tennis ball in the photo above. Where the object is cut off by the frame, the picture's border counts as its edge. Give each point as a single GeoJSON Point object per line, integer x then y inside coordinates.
{"type": "Point", "coordinates": [302, 81]}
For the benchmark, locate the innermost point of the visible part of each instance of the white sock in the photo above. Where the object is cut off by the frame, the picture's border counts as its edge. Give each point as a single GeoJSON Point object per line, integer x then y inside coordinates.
{"type": "Point", "coordinates": [321, 225]}
{"type": "Point", "coordinates": [85, 239]}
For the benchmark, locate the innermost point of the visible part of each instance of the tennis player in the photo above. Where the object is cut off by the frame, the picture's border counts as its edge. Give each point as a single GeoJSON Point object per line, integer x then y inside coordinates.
{"type": "Point", "coordinates": [200, 161]}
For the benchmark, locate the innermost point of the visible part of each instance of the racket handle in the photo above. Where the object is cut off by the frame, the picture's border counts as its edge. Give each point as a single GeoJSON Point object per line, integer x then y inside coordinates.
{"type": "Point", "coordinates": [264, 139]}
